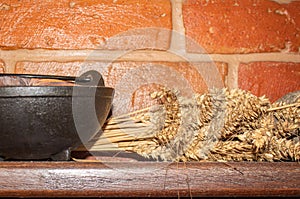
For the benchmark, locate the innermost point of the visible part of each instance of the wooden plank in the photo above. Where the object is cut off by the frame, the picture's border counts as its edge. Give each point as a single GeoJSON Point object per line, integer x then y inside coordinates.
{"type": "Point", "coordinates": [28, 179]}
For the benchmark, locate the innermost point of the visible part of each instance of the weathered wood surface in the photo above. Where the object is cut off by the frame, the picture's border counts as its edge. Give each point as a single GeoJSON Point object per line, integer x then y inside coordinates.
{"type": "Point", "coordinates": [29, 179]}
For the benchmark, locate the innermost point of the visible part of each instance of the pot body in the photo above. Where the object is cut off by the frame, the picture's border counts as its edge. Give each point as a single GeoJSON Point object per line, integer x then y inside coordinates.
{"type": "Point", "coordinates": [39, 122]}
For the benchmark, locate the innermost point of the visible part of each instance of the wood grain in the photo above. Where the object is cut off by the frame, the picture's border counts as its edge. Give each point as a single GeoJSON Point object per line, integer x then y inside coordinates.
{"type": "Point", "coordinates": [28, 179]}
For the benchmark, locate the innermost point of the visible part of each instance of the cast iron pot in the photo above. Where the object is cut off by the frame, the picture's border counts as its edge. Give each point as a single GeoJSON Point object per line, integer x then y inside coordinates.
{"type": "Point", "coordinates": [46, 122]}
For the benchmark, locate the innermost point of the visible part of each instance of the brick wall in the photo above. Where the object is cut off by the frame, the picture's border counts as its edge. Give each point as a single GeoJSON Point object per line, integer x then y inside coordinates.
{"type": "Point", "coordinates": [190, 45]}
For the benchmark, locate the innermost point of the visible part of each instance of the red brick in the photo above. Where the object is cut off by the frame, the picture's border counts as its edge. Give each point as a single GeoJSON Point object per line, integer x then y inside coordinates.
{"type": "Point", "coordinates": [188, 71]}
{"type": "Point", "coordinates": [242, 26]}
{"type": "Point", "coordinates": [84, 24]}
{"type": "Point", "coordinates": [1, 66]}
{"type": "Point", "coordinates": [137, 78]}
{"type": "Point", "coordinates": [142, 77]}
{"type": "Point", "coordinates": [272, 79]}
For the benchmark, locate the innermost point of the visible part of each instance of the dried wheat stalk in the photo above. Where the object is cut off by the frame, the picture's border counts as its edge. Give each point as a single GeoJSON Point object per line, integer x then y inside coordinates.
{"type": "Point", "coordinates": [223, 125]}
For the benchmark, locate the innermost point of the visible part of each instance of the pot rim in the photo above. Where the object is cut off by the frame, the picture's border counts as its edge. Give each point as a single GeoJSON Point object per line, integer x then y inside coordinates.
{"type": "Point", "coordinates": [56, 91]}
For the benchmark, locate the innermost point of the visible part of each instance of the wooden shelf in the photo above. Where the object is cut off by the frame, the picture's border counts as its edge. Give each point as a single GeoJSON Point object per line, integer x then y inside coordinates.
{"type": "Point", "coordinates": [51, 179]}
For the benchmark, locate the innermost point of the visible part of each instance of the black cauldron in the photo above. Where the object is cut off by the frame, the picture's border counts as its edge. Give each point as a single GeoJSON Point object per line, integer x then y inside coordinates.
{"type": "Point", "coordinates": [46, 122]}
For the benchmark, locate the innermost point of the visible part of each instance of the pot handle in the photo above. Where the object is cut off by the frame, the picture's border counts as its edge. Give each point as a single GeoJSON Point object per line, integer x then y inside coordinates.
{"type": "Point", "coordinates": [64, 78]}
{"type": "Point", "coordinates": [90, 78]}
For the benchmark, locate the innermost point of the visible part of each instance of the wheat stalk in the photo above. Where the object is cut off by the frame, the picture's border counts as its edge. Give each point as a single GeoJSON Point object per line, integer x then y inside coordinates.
{"type": "Point", "coordinates": [180, 129]}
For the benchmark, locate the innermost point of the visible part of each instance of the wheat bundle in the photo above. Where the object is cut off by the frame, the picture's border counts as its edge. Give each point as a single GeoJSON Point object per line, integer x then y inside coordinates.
{"type": "Point", "coordinates": [222, 125]}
